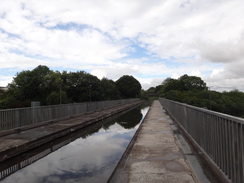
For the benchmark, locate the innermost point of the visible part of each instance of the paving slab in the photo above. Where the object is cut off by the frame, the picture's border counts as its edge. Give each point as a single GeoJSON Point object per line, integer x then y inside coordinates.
{"type": "Point", "coordinates": [154, 155]}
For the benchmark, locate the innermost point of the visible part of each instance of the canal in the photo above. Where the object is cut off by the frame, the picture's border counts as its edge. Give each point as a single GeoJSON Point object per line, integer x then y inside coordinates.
{"type": "Point", "coordinates": [88, 155]}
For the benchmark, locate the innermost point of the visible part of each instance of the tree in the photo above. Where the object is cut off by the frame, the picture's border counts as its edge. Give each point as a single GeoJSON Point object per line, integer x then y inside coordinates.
{"type": "Point", "coordinates": [192, 83]}
{"type": "Point", "coordinates": [49, 87]}
{"type": "Point", "coordinates": [170, 84]}
{"type": "Point", "coordinates": [184, 83]}
{"type": "Point", "coordinates": [1, 91]}
{"type": "Point", "coordinates": [128, 87]}
{"type": "Point", "coordinates": [82, 87]}
{"type": "Point", "coordinates": [56, 98]}
{"type": "Point", "coordinates": [26, 86]}
{"type": "Point", "coordinates": [109, 91]}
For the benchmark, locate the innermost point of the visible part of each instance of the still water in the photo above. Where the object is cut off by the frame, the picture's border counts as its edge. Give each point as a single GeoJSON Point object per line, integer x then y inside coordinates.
{"type": "Point", "coordinates": [88, 156]}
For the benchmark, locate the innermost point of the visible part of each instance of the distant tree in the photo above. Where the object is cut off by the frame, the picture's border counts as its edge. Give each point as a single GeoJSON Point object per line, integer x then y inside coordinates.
{"type": "Point", "coordinates": [1, 91]}
{"type": "Point", "coordinates": [128, 87]}
{"type": "Point", "coordinates": [193, 90]}
{"type": "Point", "coordinates": [170, 84]}
{"type": "Point", "coordinates": [26, 86]}
{"type": "Point", "coordinates": [234, 101]}
{"type": "Point", "coordinates": [184, 83]}
{"type": "Point", "coordinates": [109, 91]}
{"type": "Point", "coordinates": [49, 87]}
{"type": "Point", "coordinates": [151, 90]}
{"type": "Point", "coordinates": [56, 98]}
{"type": "Point", "coordinates": [143, 95]}
{"type": "Point", "coordinates": [191, 83]}
{"type": "Point", "coordinates": [82, 87]}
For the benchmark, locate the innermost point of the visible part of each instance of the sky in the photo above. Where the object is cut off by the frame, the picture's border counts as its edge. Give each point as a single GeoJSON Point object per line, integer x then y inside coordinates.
{"type": "Point", "coordinates": [148, 39]}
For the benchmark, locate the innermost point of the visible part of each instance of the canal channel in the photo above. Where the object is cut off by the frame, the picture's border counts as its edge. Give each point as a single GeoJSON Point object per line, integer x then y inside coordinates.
{"type": "Point", "coordinates": [88, 155]}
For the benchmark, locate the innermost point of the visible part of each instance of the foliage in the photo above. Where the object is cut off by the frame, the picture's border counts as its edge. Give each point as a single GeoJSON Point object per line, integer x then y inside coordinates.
{"type": "Point", "coordinates": [193, 90]}
{"type": "Point", "coordinates": [109, 91]}
{"type": "Point", "coordinates": [184, 83]}
{"type": "Point", "coordinates": [1, 91]}
{"type": "Point", "coordinates": [53, 87]}
{"type": "Point", "coordinates": [128, 87]}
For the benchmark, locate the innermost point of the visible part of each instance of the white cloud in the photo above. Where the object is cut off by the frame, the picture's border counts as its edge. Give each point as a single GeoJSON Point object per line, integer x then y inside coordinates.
{"type": "Point", "coordinates": [190, 37]}
{"type": "Point", "coordinates": [229, 77]}
{"type": "Point", "coordinates": [5, 79]}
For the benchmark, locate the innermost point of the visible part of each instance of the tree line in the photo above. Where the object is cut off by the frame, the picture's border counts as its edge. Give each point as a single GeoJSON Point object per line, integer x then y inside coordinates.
{"type": "Point", "coordinates": [193, 90]}
{"type": "Point", "coordinates": [54, 87]}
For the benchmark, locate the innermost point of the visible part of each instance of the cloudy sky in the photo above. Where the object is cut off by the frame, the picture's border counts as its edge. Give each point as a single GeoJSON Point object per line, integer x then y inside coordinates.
{"type": "Point", "coordinates": [149, 39]}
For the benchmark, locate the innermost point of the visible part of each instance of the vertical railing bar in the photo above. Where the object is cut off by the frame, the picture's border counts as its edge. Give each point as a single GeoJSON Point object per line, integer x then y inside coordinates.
{"type": "Point", "coordinates": [223, 145]}
{"type": "Point", "coordinates": [226, 146]}
{"type": "Point", "coordinates": [242, 152]}
{"type": "Point", "coordinates": [212, 139]}
{"type": "Point", "coordinates": [233, 152]}
{"type": "Point", "coordinates": [237, 164]}
{"type": "Point", "coordinates": [218, 143]}
{"type": "Point", "coordinates": [215, 138]}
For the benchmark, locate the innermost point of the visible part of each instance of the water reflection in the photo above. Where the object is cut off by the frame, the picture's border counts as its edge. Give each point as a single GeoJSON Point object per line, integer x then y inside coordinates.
{"type": "Point", "coordinates": [87, 156]}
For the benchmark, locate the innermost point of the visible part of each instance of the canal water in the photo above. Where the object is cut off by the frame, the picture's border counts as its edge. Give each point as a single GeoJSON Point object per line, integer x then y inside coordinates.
{"type": "Point", "coordinates": [88, 156]}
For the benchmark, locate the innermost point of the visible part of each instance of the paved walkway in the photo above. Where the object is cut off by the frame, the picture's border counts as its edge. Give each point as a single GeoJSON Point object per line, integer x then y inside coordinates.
{"type": "Point", "coordinates": [155, 155]}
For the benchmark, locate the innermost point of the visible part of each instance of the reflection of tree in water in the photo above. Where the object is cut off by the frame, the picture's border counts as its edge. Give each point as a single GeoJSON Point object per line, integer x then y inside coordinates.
{"type": "Point", "coordinates": [127, 120]}
{"type": "Point", "coordinates": [130, 119]}
{"type": "Point", "coordinates": [94, 128]}
{"type": "Point", "coordinates": [107, 125]}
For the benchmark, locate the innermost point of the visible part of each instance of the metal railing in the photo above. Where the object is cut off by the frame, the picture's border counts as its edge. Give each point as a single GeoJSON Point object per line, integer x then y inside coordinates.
{"type": "Point", "coordinates": [14, 118]}
{"type": "Point", "coordinates": [220, 136]}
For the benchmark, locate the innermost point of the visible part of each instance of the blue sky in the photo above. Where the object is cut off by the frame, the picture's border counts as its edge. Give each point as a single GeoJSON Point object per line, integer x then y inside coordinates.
{"type": "Point", "coordinates": [151, 40]}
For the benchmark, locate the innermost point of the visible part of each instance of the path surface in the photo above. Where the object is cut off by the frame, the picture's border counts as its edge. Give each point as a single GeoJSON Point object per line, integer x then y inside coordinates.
{"type": "Point", "coordinates": [155, 155]}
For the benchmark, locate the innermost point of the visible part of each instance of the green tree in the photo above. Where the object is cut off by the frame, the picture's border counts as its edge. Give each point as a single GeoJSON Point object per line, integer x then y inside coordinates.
{"type": "Point", "coordinates": [56, 98]}
{"type": "Point", "coordinates": [26, 86]}
{"type": "Point", "coordinates": [82, 87]}
{"type": "Point", "coordinates": [191, 83]}
{"type": "Point", "coordinates": [170, 84]}
{"type": "Point", "coordinates": [128, 87]}
{"type": "Point", "coordinates": [184, 83]}
{"type": "Point", "coordinates": [49, 87]}
{"type": "Point", "coordinates": [109, 91]}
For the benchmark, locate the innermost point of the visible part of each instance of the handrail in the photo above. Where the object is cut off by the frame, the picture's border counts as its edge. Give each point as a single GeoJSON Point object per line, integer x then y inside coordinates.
{"type": "Point", "coordinates": [220, 136]}
{"type": "Point", "coordinates": [19, 117]}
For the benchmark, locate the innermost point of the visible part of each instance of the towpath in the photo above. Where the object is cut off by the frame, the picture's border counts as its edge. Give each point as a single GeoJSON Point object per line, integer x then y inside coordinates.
{"type": "Point", "coordinates": [154, 155]}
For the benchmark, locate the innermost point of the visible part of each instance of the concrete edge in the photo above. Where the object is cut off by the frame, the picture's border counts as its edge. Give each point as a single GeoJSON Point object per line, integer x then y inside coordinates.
{"type": "Point", "coordinates": [36, 125]}
{"type": "Point", "coordinates": [122, 162]}
{"type": "Point", "coordinates": [14, 151]}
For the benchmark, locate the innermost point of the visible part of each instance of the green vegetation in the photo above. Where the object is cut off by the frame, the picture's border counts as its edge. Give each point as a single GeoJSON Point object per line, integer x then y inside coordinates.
{"type": "Point", "coordinates": [53, 87]}
{"type": "Point", "coordinates": [193, 91]}
{"type": "Point", "coordinates": [128, 87]}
